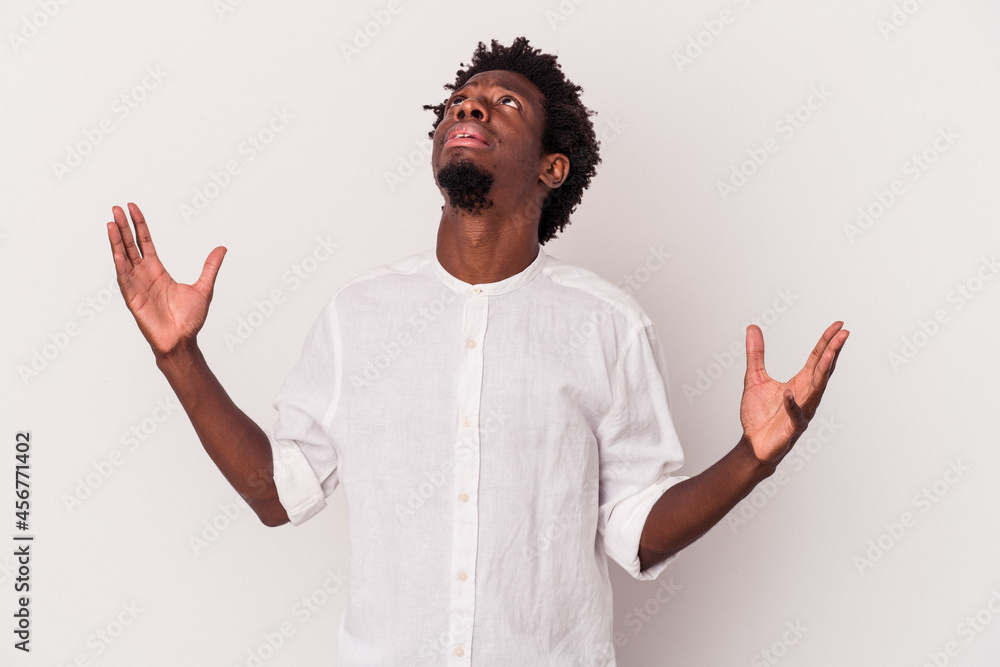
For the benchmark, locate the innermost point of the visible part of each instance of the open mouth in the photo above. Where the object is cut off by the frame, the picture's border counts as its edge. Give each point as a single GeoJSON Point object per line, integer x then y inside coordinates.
{"type": "Point", "coordinates": [466, 136]}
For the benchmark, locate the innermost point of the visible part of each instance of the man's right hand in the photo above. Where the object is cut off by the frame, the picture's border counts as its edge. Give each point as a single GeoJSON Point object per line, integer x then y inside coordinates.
{"type": "Point", "coordinates": [168, 313]}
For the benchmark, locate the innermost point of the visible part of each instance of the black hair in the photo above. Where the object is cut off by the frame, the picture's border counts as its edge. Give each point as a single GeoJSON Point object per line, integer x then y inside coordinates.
{"type": "Point", "coordinates": [567, 128]}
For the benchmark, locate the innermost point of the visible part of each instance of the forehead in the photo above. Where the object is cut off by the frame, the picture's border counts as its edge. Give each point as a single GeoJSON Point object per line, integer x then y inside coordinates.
{"type": "Point", "coordinates": [511, 81]}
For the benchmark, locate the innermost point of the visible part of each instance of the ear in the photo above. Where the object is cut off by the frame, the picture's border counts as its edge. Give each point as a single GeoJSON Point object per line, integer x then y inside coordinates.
{"type": "Point", "coordinates": [555, 170]}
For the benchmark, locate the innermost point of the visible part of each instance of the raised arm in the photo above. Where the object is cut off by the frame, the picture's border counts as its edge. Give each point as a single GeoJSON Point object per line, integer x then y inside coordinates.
{"type": "Point", "coordinates": [169, 315]}
{"type": "Point", "coordinates": [774, 414]}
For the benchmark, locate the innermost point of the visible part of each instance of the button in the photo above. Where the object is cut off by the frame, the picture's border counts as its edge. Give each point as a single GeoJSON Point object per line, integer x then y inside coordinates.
{"type": "Point", "coordinates": [459, 652]}
{"type": "Point", "coordinates": [462, 576]}
{"type": "Point", "coordinates": [471, 343]}
{"type": "Point", "coordinates": [466, 422]}
{"type": "Point", "coordinates": [464, 497]}
{"type": "Point", "coordinates": [476, 290]}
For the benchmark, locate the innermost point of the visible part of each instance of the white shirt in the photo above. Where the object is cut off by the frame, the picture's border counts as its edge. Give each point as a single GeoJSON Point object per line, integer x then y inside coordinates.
{"type": "Point", "coordinates": [495, 443]}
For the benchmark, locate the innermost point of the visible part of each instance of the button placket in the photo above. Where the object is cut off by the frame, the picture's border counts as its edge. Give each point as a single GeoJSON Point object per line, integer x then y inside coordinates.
{"type": "Point", "coordinates": [465, 526]}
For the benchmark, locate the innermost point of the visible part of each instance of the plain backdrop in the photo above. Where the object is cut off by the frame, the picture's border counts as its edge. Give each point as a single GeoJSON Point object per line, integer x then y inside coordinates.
{"type": "Point", "coordinates": [798, 162]}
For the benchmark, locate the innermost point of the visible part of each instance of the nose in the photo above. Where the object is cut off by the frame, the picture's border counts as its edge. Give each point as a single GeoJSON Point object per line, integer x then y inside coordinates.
{"type": "Point", "coordinates": [473, 107]}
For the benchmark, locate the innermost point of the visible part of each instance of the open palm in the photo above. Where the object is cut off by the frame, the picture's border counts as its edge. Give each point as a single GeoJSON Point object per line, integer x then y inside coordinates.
{"type": "Point", "coordinates": [774, 414]}
{"type": "Point", "coordinates": [167, 312]}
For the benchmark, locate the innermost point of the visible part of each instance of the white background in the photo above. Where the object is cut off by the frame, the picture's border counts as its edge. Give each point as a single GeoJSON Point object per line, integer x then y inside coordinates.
{"type": "Point", "coordinates": [829, 551]}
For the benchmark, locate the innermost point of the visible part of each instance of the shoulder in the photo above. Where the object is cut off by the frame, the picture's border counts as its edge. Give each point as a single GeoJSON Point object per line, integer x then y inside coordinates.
{"type": "Point", "coordinates": [380, 282]}
{"type": "Point", "coordinates": [610, 297]}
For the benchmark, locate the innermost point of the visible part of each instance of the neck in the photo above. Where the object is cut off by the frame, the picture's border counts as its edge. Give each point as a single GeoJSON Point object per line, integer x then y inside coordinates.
{"type": "Point", "coordinates": [486, 247]}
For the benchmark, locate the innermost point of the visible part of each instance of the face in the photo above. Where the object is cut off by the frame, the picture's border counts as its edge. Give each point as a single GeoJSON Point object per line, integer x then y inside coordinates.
{"type": "Point", "coordinates": [492, 126]}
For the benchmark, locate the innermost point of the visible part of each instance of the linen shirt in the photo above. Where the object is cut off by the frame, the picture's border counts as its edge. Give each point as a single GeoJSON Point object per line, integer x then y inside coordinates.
{"type": "Point", "coordinates": [496, 444]}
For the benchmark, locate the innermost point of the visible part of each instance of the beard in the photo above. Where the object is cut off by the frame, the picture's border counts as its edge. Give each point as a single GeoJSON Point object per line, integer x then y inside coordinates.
{"type": "Point", "coordinates": [466, 184]}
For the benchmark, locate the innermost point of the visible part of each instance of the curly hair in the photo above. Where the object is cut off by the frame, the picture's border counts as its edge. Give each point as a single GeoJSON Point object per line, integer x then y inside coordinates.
{"type": "Point", "coordinates": [568, 129]}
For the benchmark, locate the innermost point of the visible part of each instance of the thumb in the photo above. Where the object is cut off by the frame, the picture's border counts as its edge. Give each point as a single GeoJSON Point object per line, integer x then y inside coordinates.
{"type": "Point", "coordinates": [755, 357]}
{"type": "Point", "coordinates": [795, 414]}
{"type": "Point", "coordinates": [206, 282]}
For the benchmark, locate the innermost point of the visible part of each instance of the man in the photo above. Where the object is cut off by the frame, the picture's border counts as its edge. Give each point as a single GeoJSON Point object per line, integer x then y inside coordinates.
{"type": "Point", "coordinates": [490, 466]}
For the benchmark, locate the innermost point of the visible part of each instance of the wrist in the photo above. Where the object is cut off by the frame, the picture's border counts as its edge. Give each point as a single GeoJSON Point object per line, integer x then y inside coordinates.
{"type": "Point", "coordinates": [182, 355]}
{"type": "Point", "coordinates": [759, 469]}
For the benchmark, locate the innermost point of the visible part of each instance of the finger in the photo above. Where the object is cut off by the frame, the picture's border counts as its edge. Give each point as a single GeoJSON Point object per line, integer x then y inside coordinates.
{"type": "Point", "coordinates": [755, 357]}
{"type": "Point", "coordinates": [822, 345]}
{"type": "Point", "coordinates": [115, 238]}
{"type": "Point", "coordinates": [206, 282]}
{"type": "Point", "coordinates": [822, 373]}
{"type": "Point", "coordinates": [131, 251]}
{"type": "Point", "coordinates": [122, 265]}
{"type": "Point", "coordinates": [828, 362]}
{"type": "Point", "coordinates": [142, 237]}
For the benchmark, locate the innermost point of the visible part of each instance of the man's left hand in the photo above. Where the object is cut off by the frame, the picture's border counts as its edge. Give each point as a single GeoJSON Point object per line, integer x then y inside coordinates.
{"type": "Point", "coordinates": [774, 414]}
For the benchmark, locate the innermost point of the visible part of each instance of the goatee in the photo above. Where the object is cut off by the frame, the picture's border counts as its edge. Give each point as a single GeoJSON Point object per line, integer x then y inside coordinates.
{"type": "Point", "coordinates": [466, 184]}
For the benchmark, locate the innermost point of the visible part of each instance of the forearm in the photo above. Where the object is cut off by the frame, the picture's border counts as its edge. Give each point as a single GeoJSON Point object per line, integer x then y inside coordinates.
{"type": "Point", "coordinates": [235, 443]}
{"type": "Point", "coordinates": [687, 510]}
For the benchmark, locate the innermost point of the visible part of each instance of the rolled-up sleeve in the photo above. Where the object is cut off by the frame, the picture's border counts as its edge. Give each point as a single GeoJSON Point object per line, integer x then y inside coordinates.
{"type": "Point", "coordinates": [305, 457]}
{"type": "Point", "coordinates": [639, 450]}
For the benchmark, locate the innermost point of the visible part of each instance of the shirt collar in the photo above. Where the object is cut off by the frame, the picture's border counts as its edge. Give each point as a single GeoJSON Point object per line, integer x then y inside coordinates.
{"type": "Point", "coordinates": [500, 287]}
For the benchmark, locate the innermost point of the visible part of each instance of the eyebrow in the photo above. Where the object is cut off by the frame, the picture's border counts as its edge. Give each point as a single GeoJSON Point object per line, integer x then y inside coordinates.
{"type": "Point", "coordinates": [501, 86]}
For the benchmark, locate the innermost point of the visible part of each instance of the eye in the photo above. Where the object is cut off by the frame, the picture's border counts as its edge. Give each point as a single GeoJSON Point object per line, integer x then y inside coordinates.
{"type": "Point", "coordinates": [455, 101]}
{"type": "Point", "coordinates": [507, 98]}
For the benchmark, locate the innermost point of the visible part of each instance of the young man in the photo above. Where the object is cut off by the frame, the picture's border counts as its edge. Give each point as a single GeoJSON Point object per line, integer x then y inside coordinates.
{"type": "Point", "coordinates": [517, 434]}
